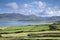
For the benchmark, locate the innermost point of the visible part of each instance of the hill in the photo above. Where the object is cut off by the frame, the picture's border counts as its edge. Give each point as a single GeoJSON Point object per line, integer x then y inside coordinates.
{"type": "Point", "coordinates": [21, 17]}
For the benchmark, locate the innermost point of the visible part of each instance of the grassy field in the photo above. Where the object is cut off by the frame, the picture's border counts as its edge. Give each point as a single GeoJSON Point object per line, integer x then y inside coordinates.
{"type": "Point", "coordinates": [23, 31]}
{"type": "Point", "coordinates": [23, 28]}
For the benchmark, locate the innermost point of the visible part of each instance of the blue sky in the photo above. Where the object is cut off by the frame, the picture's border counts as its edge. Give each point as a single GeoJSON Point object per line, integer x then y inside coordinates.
{"type": "Point", "coordinates": [31, 7]}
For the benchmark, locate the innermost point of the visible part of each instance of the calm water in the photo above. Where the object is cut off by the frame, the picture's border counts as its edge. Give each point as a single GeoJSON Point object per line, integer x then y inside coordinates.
{"type": "Point", "coordinates": [19, 23]}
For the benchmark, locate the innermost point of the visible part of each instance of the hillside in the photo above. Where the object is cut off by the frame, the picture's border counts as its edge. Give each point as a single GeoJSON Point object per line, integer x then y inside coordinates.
{"type": "Point", "coordinates": [20, 17]}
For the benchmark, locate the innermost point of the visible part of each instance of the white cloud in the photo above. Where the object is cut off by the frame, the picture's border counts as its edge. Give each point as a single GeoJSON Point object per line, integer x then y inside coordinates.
{"type": "Point", "coordinates": [40, 8]}
{"type": "Point", "coordinates": [26, 5]}
{"type": "Point", "coordinates": [32, 8]}
{"type": "Point", "coordinates": [40, 4]}
{"type": "Point", "coordinates": [13, 5]}
{"type": "Point", "coordinates": [49, 11]}
{"type": "Point", "coordinates": [37, 8]}
{"type": "Point", "coordinates": [59, 12]}
{"type": "Point", "coordinates": [52, 11]}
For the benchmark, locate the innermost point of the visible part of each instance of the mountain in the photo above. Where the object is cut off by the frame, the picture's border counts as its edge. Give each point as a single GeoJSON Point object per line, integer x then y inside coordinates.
{"type": "Point", "coordinates": [16, 17]}
{"type": "Point", "coordinates": [20, 17]}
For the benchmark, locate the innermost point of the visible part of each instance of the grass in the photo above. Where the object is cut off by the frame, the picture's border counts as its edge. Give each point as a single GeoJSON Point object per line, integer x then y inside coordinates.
{"type": "Point", "coordinates": [26, 30]}
{"type": "Point", "coordinates": [12, 29]}
{"type": "Point", "coordinates": [39, 28]}
{"type": "Point", "coordinates": [22, 28]}
{"type": "Point", "coordinates": [16, 28]}
{"type": "Point", "coordinates": [15, 35]}
{"type": "Point", "coordinates": [26, 33]}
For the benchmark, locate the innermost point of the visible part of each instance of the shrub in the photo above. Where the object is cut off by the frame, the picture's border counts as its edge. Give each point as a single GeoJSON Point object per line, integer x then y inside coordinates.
{"type": "Point", "coordinates": [19, 32]}
{"type": "Point", "coordinates": [52, 27]}
{"type": "Point", "coordinates": [0, 35]}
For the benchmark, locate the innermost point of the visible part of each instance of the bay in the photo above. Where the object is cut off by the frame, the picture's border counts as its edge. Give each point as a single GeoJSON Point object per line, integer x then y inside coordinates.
{"type": "Point", "coordinates": [18, 23]}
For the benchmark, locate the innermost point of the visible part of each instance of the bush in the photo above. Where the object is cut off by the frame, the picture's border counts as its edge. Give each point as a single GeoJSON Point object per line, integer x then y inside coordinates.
{"type": "Point", "coordinates": [28, 35]}
{"type": "Point", "coordinates": [42, 30]}
{"type": "Point", "coordinates": [19, 32]}
{"type": "Point", "coordinates": [52, 27]}
{"type": "Point", "coordinates": [4, 33]}
{"type": "Point", "coordinates": [0, 35]}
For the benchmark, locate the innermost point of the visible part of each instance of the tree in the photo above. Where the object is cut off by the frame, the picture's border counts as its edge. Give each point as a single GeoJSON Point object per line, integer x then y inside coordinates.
{"type": "Point", "coordinates": [53, 26]}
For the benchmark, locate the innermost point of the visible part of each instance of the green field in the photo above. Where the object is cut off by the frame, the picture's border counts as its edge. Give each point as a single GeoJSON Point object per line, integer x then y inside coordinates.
{"type": "Point", "coordinates": [22, 32]}
{"type": "Point", "coordinates": [23, 28]}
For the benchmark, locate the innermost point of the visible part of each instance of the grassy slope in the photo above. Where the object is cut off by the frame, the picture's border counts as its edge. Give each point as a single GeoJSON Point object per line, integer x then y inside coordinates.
{"type": "Point", "coordinates": [24, 28]}
{"type": "Point", "coordinates": [21, 28]}
{"type": "Point", "coordinates": [37, 29]}
{"type": "Point", "coordinates": [26, 33]}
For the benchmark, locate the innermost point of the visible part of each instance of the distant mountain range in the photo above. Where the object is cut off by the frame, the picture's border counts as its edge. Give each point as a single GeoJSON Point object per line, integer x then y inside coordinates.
{"type": "Point", "coordinates": [20, 17]}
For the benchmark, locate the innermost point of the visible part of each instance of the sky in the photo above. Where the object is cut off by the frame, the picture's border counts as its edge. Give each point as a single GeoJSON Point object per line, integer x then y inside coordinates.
{"type": "Point", "coordinates": [43, 8]}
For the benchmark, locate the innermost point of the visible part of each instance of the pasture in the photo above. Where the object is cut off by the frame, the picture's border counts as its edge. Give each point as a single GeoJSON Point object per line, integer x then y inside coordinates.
{"type": "Point", "coordinates": [22, 32]}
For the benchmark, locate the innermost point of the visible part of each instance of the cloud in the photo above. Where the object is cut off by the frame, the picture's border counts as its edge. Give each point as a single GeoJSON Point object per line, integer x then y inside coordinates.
{"type": "Point", "coordinates": [32, 8]}
{"type": "Point", "coordinates": [26, 5]}
{"type": "Point", "coordinates": [52, 11]}
{"type": "Point", "coordinates": [38, 8]}
{"type": "Point", "coordinates": [13, 6]}
{"type": "Point", "coordinates": [40, 4]}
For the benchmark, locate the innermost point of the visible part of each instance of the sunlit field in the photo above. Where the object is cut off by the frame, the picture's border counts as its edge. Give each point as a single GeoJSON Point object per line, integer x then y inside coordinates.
{"type": "Point", "coordinates": [29, 32]}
